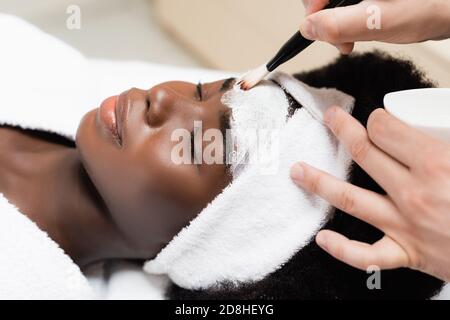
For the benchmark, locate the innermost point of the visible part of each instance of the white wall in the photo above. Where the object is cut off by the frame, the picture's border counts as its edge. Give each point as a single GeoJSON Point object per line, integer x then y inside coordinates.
{"type": "Point", "coordinates": [114, 29]}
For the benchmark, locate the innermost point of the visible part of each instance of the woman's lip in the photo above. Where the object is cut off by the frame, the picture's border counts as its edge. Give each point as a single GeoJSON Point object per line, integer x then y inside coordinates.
{"type": "Point", "coordinates": [122, 107]}
{"type": "Point", "coordinates": [108, 116]}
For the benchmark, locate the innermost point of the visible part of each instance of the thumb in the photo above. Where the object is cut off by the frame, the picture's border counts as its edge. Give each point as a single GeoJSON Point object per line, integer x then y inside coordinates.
{"type": "Point", "coordinates": [338, 25]}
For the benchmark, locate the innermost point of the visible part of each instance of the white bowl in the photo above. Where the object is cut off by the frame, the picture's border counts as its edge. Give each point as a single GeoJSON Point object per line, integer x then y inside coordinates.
{"type": "Point", "coordinates": [425, 109]}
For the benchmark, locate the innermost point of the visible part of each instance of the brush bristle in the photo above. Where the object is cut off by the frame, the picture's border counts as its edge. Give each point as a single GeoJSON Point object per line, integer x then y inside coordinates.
{"type": "Point", "coordinates": [253, 77]}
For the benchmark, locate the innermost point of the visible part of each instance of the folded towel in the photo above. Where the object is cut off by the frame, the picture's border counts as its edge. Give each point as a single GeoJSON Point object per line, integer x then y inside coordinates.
{"type": "Point", "coordinates": [261, 219]}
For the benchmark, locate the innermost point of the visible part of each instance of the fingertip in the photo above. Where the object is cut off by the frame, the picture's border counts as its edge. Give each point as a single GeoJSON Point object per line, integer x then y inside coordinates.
{"type": "Point", "coordinates": [298, 173]}
{"type": "Point", "coordinates": [381, 111]}
{"type": "Point", "coordinates": [330, 115]}
{"type": "Point", "coordinates": [321, 240]}
{"type": "Point", "coordinates": [345, 48]}
{"type": "Point", "coordinates": [308, 29]}
{"type": "Point", "coordinates": [386, 116]}
{"type": "Point", "coordinates": [307, 5]}
{"type": "Point", "coordinates": [376, 124]}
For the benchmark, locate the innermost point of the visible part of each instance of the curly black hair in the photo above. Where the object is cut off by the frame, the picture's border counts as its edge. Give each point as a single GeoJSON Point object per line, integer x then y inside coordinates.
{"type": "Point", "coordinates": [311, 273]}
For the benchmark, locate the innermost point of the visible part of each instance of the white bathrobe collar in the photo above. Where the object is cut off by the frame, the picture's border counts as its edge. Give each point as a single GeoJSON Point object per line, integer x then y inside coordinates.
{"type": "Point", "coordinates": [44, 86]}
{"type": "Point", "coordinates": [33, 266]}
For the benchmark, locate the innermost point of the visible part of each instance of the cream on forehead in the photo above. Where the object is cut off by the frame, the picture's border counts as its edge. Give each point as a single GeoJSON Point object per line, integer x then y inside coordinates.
{"type": "Point", "coordinates": [262, 109]}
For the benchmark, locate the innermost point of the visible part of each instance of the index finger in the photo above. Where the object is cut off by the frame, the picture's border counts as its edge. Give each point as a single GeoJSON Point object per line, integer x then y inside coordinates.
{"type": "Point", "coordinates": [385, 253]}
{"type": "Point", "coordinates": [365, 205]}
{"type": "Point", "coordinates": [390, 174]}
{"type": "Point", "coordinates": [403, 142]}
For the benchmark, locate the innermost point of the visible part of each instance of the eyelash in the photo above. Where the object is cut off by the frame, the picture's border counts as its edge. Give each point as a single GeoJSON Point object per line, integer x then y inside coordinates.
{"type": "Point", "coordinates": [192, 146]}
{"type": "Point", "coordinates": [193, 155]}
{"type": "Point", "coordinates": [200, 91]}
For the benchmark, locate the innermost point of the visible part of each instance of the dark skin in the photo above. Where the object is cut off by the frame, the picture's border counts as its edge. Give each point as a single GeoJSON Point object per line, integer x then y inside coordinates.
{"type": "Point", "coordinates": [117, 197]}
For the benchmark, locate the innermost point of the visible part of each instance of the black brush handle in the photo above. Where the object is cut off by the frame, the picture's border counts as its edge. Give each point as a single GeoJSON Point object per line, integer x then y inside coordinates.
{"type": "Point", "coordinates": [297, 43]}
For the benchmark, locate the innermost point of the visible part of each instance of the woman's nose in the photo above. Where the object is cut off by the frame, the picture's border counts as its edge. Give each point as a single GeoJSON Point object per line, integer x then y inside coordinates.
{"type": "Point", "coordinates": [164, 103]}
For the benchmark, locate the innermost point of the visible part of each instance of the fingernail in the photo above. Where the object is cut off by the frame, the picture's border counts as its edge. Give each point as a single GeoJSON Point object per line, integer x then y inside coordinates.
{"type": "Point", "coordinates": [309, 29]}
{"type": "Point", "coordinates": [330, 114]}
{"type": "Point", "coordinates": [307, 5]}
{"type": "Point", "coordinates": [297, 172]}
{"type": "Point", "coordinates": [321, 240]}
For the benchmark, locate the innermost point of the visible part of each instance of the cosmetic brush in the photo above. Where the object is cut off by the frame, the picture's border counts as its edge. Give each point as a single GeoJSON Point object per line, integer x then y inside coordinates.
{"type": "Point", "coordinates": [296, 44]}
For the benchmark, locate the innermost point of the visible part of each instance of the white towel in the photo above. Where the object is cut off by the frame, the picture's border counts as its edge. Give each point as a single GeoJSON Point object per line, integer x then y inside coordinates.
{"type": "Point", "coordinates": [261, 219]}
{"type": "Point", "coordinates": [33, 266]}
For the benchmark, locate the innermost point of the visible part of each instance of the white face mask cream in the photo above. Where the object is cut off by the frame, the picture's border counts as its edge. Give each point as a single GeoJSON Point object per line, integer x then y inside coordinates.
{"type": "Point", "coordinates": [255, 124]}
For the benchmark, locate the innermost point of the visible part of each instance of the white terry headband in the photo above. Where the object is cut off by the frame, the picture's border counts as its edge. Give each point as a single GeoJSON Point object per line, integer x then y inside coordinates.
{"type": "Point", "coordinates": [262, 218]}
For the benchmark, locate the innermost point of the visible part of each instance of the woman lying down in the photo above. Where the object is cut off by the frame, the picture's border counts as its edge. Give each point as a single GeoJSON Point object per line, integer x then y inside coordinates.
{"type": "Point", "coordinates": [193, 181]}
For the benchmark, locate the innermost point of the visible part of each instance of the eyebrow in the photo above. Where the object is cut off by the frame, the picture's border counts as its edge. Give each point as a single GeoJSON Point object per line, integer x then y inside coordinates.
{"type": "Point", "coordinates": [227, 84]}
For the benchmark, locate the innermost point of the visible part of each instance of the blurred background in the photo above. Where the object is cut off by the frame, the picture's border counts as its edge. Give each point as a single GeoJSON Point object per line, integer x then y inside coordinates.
{"type": "Point", "coordinates": [232, 35]}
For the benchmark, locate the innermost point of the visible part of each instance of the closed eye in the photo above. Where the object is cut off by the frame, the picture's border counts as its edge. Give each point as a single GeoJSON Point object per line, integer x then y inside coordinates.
{"type": "Point", "coordinates": [194, 152]}
{"type": "Point", "coordinates": [192, 147]}
{"type": "Point", "coordinates": [200, 91]}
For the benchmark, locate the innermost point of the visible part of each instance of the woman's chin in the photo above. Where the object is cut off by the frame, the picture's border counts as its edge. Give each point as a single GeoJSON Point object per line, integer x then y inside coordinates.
{"type": "Point", "coordinates": [85, 128]}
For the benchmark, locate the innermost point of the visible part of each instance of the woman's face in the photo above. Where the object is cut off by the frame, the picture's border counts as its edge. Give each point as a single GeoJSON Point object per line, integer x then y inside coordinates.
{"type": "Point", "coordinates": [127, 146]}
